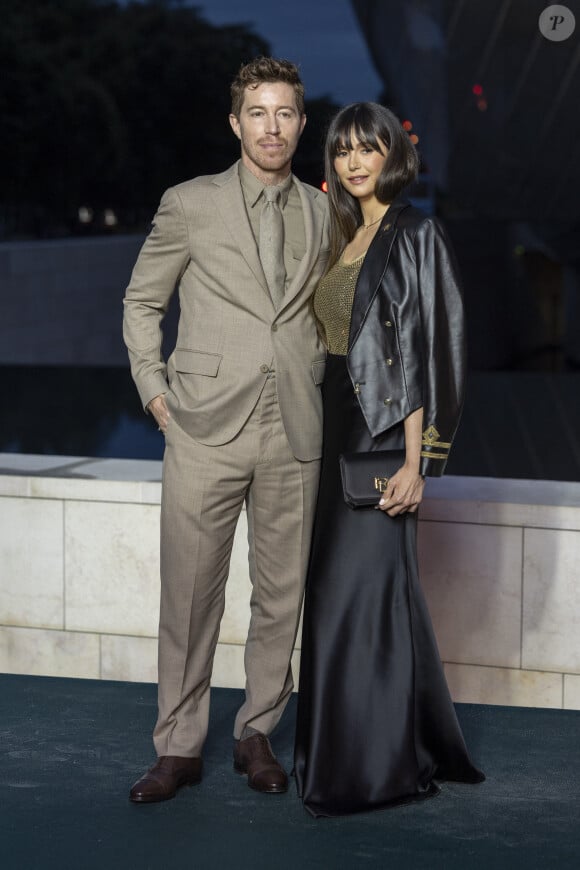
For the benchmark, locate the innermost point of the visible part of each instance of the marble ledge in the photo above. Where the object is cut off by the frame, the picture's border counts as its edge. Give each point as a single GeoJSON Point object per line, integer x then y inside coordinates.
{"type": "Point", "coordinates": [473, 684]}
{"type": "Point", "coordinates": [45, 652]}
{"type": "Point", "coordinates": [479, 500]}
{"type": "Point", "coordinates": [80, 478]}
{"type": "Point", "coordinates": [502, 501]}
{"type": "Point", "coordinates": [571, 692]}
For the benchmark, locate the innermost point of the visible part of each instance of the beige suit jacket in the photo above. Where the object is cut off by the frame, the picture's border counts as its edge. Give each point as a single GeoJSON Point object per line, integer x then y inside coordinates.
{"type": "Point", "coordinates": [229, 333]}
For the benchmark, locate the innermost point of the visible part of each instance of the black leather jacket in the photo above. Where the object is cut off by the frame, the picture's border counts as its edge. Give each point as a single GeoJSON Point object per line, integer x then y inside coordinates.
{"type": "Point", "coordinates": [407, 343]}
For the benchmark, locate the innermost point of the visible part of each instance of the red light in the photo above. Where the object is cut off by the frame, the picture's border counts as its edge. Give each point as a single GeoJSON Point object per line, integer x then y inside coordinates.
{"type": "Point", "coordinates": [477, 90]}
{"type": "Point", "coordinates": [407, 125]}
{"type": "Point", "coordinates": [324, 187]}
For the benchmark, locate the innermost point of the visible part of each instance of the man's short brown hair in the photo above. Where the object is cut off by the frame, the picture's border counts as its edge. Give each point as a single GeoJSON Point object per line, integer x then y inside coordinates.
{"type": "Point", "coordinates": [262, 70]}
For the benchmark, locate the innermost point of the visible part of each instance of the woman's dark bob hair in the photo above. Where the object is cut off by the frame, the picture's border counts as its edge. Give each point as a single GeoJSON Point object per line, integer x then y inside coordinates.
{"type": "Point", "coordinates": [377, 127]}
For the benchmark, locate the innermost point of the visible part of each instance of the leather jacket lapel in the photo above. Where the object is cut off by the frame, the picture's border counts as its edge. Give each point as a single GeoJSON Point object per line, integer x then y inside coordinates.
{"type": "Point", "coordinates": [373, 268]}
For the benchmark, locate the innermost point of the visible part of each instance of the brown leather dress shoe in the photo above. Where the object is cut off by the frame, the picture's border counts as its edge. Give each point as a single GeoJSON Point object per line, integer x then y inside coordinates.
{"type": "Point", "coordinates": [253, 755]}
{"type": "Point", "coordinates": [161, 781]}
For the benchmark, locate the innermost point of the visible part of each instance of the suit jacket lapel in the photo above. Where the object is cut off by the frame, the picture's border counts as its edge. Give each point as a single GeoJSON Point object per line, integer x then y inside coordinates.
{"type": "Point", "coordinates": [230, 203]}
{"type": "Point", "coordinates": [313, 223]}
{"type": "Point", "coordinates": [373, 268]}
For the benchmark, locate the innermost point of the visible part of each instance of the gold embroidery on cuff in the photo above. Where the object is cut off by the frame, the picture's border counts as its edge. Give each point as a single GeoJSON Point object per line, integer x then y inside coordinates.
{"type": "Point", "coordinates": [431, 438]}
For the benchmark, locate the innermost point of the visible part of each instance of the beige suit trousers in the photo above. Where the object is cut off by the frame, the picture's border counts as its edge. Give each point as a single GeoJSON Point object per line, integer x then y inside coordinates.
{"type": "Point", "coordinates": [204, 489]}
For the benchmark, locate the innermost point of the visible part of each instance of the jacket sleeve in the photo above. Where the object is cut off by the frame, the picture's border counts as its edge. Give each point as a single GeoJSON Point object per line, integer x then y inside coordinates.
{"type": "Point", "coordinates": [443, 344]}
{"type": "Point", "coordinates": [159, 267]}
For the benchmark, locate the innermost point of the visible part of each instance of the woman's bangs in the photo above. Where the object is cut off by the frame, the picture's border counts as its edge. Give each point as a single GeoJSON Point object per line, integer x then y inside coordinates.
{"type": "Point", "coordinates": [369, 138]}
{"type": "Point", "coordinates": [353, 127]}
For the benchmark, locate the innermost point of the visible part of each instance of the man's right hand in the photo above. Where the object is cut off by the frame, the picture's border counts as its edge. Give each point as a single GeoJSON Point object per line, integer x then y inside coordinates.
{"type": "Point", "coordinates": [158, 407]}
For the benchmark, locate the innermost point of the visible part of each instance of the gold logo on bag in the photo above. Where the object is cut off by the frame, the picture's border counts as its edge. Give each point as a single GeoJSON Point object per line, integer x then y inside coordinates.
{"type": "Point", "coordinates": [381, 483]}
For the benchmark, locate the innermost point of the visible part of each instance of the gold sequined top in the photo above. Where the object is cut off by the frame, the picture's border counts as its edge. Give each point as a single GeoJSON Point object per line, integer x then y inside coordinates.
{"type": "Point", "coordinates": [333, 300]}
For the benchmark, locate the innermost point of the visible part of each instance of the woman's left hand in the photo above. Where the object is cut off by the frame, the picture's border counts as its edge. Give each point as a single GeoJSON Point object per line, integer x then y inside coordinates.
{"type": "Point", "coordinates": [403, 494]}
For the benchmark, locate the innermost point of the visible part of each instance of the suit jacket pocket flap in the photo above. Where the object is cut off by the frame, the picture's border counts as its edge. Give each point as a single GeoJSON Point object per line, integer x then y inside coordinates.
{"type": "Point", "coordinates": [196, 362]}
{"type": "Point", "coordinates": [318, 369]}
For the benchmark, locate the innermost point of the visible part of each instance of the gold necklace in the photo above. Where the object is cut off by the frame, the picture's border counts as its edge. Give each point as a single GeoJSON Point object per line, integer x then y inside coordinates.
{"type": "Point", "coordinates": [372, 223]}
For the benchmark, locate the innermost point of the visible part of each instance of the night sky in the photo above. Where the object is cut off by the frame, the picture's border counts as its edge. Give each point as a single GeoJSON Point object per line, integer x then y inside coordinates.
{"type": "Point", "coordinates": [321, 36]}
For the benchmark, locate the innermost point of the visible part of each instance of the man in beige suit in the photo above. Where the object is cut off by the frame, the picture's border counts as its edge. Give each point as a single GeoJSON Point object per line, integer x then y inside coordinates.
{"type": "Point", "coordinates": [239, 403]}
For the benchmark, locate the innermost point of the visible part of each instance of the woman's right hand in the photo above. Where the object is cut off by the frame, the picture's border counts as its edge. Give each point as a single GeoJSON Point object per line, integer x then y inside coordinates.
{"type": "Point", "coordinates": [404, 492]}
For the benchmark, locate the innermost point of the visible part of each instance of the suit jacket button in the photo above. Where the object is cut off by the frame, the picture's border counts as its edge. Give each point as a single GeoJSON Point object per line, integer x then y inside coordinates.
{"type": "Point", "coordinates": [388, 323]}
{"type": "Point", "coordinates": [264, 368]}
{"type": "Point", "coordinates": [389, 362]}
{"type": "Point", "coordinates": [274, 327]}
{"type": "Point", "coordinates": [387, 401]}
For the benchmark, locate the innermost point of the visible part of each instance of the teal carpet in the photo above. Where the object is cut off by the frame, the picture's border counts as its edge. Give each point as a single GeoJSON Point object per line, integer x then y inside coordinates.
{"type": "Point", "coordinates": [72, 748]}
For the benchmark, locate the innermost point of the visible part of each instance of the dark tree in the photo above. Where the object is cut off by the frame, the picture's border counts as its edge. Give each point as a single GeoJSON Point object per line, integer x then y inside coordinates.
{"type": "Point", "coordinates": [106, 104]}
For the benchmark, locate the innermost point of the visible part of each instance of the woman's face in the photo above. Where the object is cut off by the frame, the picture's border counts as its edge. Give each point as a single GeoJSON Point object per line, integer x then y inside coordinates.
{"type": "Point", "coordinates": [359, 167]}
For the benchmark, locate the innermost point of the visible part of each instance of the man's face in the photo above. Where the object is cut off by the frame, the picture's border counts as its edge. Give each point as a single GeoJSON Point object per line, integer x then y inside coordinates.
{"type": "Point", "coordinates": [269, 128]}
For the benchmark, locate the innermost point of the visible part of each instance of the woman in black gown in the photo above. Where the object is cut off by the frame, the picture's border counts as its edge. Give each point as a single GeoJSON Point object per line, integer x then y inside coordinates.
{"type": "Point", "coordinates": [376, 724]}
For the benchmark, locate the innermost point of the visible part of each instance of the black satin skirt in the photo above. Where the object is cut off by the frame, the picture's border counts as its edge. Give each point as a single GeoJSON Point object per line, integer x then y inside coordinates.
{"type": "Point", "coordinates": [376, 725]}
